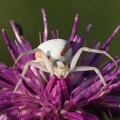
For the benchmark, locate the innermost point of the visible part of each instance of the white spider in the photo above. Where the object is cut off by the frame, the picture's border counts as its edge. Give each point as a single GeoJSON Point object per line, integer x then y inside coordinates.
{"type": "Point", "coordinates": [54, 56]}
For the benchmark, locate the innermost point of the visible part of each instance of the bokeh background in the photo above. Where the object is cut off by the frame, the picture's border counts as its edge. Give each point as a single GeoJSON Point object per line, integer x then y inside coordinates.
{"type": "Point", "coordinates": [103, 14]}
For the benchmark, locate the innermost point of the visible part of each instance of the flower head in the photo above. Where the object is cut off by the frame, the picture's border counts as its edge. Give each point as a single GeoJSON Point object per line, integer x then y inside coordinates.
{"type": "Point", "coordinates": [79, 96]}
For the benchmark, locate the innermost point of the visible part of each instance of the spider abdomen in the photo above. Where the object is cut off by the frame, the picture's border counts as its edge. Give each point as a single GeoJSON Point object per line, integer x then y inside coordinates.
{"type": "Point", "coordinates": [56, 49]}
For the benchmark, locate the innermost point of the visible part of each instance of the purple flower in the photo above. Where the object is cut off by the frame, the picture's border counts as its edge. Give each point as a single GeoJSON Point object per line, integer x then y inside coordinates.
{"type": "Point", "coordinates": [79, 96]}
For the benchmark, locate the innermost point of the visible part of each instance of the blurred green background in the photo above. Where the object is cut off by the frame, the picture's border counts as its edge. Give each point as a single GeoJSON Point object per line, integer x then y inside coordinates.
{"type": "Point", "coordinates": [103, 14]}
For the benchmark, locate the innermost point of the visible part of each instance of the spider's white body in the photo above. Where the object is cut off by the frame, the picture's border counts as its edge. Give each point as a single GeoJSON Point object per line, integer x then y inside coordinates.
{"type": "Point", "coordinates": [53, 56]}
{"type": "Point", "coordinates": [53, 49]}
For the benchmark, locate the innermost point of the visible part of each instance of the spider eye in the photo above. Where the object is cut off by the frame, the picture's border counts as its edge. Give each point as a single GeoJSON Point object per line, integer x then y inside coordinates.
{"type": "Point", "coordinates": [55, 64]}
{"type": "Point", "coordinates": [64, 63]}
{"type": "Point", "coordinates": [59, 63]}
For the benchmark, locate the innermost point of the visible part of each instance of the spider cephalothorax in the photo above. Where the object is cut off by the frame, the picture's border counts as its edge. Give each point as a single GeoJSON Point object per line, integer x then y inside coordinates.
{"type": "Point", "coordinates": [60, 69]}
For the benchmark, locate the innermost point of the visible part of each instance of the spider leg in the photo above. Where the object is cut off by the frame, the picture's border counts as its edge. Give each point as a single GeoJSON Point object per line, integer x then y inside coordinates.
{"type": "Point", "coordinates": [41, 62]}
{"type": "Point", "coordinates": [46, 60]}
{"type": "Point", "coordinates": [89, 68]}
{"type": "Point", "coordinates": [34, 63]}
{"type": "Point", "coordinates": [66, 74]}
{"type": "Point", "coordinates": [77, 55]}
{"type": "Point", "coordinates": [23, 54]}
{"type": "Point", "coordinates": [43, 76]}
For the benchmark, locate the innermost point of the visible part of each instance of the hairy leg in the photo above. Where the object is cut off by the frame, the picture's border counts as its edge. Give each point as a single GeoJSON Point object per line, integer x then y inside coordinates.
{"type": "Point", "coordinates": [89, 68]}
{"type": "Point", "coordinates": [46, 60]}
{"type": "Point", "coordinates": [34, 63]}
{"type": "Point", "coordinates": [77, 55]}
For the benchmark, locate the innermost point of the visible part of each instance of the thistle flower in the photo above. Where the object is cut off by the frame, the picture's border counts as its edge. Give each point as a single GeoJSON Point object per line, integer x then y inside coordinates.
{"type": "Point", "coordinates": [79, 96]}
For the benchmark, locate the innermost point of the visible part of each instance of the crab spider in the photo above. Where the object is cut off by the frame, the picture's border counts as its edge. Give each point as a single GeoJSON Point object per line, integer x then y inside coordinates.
{"type": "Point", "coordinates": [53, 56]}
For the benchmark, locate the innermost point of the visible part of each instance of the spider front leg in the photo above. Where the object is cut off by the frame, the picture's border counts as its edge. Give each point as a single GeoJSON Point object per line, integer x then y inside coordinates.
{"type": "Point", "coordinates": [23, 54]}
{"type": "Point", "coordinates": [77, 55]}
{"type": "Point", "coordinates": [46, 60]}
{"type": "Point", "coordinates": [34, 63]}
{"type": "Point", "coordinates": [89, 68]}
